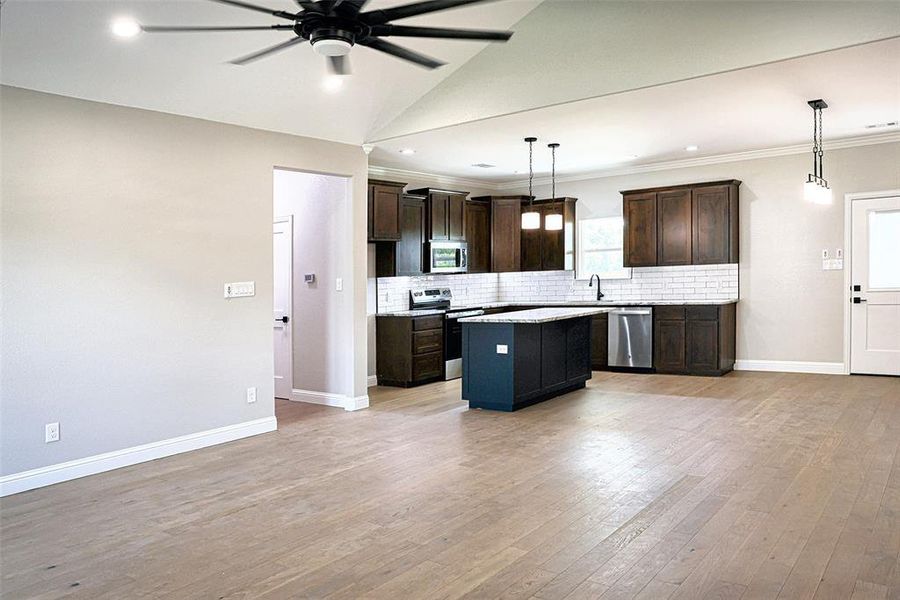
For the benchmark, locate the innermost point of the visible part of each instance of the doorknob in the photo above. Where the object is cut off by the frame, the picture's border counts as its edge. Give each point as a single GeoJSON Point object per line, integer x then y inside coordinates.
{"type": "Point", "coordinates": [284, 319]}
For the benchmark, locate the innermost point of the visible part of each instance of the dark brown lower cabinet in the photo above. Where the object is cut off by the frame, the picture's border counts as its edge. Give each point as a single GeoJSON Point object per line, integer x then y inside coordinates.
{"type": "Point", "coordinates": [694, 340]}
{"type": "Point", "coordinates": [599, 342]}
{"type": "Point", "coordinates": [409, 351]}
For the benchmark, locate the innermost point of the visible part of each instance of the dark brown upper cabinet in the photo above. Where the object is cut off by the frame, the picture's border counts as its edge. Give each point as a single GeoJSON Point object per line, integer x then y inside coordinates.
{"type": "Point", "coordinates": [550, 250]}
{"type": "Point", "coordinates": [478, 235]}
{"type": "Point", "coordinates": [715, 224]}
{"type": "Point", "coordinates": [384, 210]}
{"type": "Point", "coordinates": [445, 214]}
{"type": "Point", "coordinates": [505, 235]}
{"type": "Point", "coordinates": [406, 257]}
{"type": "Point", "coordinates": [639, 238]}
{"type": "Point", "coordinates": [681, 225]}
{"type": "Point", "coordinates": [673, 233]}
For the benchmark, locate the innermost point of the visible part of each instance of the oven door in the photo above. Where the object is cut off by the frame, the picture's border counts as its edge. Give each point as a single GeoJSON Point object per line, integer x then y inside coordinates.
{"type": "Point", "coordinates": [453, 342]}
{"type": "Point", "coordinates": [448, 257]}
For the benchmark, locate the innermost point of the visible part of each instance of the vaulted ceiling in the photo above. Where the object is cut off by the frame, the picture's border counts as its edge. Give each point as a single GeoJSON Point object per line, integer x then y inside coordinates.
{"type": "Point", "coordinates": [591, 74]}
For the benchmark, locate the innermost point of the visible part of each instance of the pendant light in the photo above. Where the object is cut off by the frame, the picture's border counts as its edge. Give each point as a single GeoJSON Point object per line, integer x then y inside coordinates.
{"type": "Point", "coordinates": [553, 222]}
{"type": "Point", "coordinates": [816, 188]}
{"type": "Point", "coordinates": [531, 219]}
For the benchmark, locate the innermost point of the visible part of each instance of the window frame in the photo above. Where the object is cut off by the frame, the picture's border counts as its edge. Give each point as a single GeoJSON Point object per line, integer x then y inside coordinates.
{"type": "Point", "coordinates": [583, 251]}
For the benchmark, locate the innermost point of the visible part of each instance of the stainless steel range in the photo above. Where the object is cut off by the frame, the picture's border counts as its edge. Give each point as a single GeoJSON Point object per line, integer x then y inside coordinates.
{"type": "Point", "coordinates": [440, 299]}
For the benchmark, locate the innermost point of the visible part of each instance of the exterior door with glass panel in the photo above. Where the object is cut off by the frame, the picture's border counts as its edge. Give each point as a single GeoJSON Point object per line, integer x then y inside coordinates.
{"type": "Point", "coordinates": [875, 286]}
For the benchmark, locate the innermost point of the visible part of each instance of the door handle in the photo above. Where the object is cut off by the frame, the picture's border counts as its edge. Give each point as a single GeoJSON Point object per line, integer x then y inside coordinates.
{"type": "Point", "coordinates": [857, 300]}
{"type": "Point", "coordinates": [284, 319]}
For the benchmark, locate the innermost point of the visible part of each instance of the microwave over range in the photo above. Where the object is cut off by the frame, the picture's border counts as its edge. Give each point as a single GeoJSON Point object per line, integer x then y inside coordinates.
{"type": "Point", "coordinates": [447, 257]}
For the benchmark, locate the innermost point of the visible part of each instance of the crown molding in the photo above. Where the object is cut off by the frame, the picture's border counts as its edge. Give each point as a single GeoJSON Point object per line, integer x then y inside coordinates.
{"type": "Point", "coordinates": [852, 142]}
{"type": "Point", "coordinates": [431, 179]}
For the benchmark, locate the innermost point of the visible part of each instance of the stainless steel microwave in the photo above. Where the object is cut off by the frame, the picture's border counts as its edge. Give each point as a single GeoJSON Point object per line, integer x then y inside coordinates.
{"type": "Point", "coordinates": [448, 257]}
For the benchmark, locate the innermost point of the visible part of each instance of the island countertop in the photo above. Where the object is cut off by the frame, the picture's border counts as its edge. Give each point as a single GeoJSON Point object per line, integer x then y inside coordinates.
{"type": "Point", "coordinates": [537, 315]}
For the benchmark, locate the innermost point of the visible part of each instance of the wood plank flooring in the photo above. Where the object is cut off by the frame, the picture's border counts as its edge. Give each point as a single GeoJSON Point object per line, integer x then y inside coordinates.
{"type": "Point", "coordinates": [753, 485]}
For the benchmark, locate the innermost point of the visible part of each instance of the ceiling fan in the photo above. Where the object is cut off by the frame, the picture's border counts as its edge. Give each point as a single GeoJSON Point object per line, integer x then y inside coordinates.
{"type": "Point", "coordinates": [333, 27]}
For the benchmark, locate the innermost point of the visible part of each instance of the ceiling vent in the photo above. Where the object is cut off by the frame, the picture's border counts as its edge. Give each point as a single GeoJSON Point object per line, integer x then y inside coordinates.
{"type": "Point", "coordinates": [483, 166]}
{"type": "Point", "coordinates": [881, 125]}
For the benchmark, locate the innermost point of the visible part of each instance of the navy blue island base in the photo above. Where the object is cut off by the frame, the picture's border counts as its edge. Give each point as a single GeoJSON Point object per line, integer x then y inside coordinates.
{"type": "Point", "coordinates": [514, 360]}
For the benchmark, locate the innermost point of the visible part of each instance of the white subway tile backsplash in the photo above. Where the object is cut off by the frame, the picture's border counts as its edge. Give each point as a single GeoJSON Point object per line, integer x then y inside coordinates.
{"type": "Point", "coordinates": [690, 282]}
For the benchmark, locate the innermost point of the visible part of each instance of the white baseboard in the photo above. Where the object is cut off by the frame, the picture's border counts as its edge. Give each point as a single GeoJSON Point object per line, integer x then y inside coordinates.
{"type": "Point", "coordinates": [328, 399]}
{"type": "Point", "coordinates": [91, 465]}
{"type": "Point", "coordinates": [372, 380]}
{"type": "Point", "coordinates": [790, 366]}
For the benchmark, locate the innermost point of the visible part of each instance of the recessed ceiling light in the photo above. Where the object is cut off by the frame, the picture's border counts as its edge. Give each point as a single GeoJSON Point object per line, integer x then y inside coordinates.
{"type": "Point", "coordinates": [692, 148]}
{"type": "Point", "coordinates": [483, 165]}
{"type": "Point", "coordinates": [881, 125]}
{"type": "Point", "coordinates": [125, 27]}
{"type": "Point", "coordinates": [407, 151]}
{"type": "Point", "coordinates": [332, 83]}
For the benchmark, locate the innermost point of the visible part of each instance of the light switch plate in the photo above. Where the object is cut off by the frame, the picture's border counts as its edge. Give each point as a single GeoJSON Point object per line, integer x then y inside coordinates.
{"type": "Point", "coordinates": [502, 349]}
{"type": "Point", "coordinates": [838, 253]}
{"type": "Point", "coordinates": [240, 289]}
{"type": "Point", "coordinates": [825, 254]}
{"type": "Point", "coordinates": [339, 284]}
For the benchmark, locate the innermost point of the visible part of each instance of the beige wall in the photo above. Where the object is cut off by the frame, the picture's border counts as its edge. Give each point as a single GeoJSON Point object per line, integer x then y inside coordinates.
{"type": "Point", "coordinates": [119, 229]}
{"type": "Point", "coordinates": [790, 309]}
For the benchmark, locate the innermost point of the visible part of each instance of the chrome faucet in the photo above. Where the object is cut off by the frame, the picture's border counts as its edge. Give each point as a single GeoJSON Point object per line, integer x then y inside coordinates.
{"type": "Point", "coordinates": [591, 284]}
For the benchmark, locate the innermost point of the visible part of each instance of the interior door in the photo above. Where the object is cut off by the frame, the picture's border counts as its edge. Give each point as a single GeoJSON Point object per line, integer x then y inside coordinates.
{"type": "Point", "coordinates": [875, 281]}
{"type": "Point", "coordinates": [282, 245]}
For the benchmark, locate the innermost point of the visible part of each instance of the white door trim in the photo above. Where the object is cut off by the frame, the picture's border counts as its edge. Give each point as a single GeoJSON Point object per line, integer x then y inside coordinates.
{"type": "Point", "coordinates": [848, 211]}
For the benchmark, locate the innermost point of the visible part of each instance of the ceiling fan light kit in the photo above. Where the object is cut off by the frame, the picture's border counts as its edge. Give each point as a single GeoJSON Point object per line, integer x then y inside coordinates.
{"type": "Point", "coordinates": [816, 189]}
{"type": "Point", "coordinates": [333, 27]}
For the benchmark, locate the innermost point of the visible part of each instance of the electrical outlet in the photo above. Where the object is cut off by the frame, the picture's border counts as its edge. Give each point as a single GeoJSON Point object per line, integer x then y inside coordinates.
{"type": "Point", "coordinates": [339, 284]}
{"type": "Point", "coordinates": [502, 349]}
{"type": "Point", "coordinates": [251, 395]}
{"type": "Point", "coordinates": [51, 432]}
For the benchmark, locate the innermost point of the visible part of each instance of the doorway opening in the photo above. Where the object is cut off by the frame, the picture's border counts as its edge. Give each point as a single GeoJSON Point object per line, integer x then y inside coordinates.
{"type": "Point", "coordinates": [872, 318]}
{"type": "Point", "coordinates": [311, 254]}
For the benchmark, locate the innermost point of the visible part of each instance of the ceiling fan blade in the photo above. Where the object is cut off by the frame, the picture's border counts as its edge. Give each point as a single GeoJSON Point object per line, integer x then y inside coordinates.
{"type": "Point", "coordinates": [339, 65]}
{"type": "Point", "coordinates": [377, 17]}
{"type": "Point", "coordinates": [167, 29]}
{"type": "Point", "coordinates": [401, 52]}
{"type": "Point", "coordinates": [440, 32]}
{"type": "Point", "coordinates": [275, 13]}
{"type": "Point", "coordinates": [267, 51]}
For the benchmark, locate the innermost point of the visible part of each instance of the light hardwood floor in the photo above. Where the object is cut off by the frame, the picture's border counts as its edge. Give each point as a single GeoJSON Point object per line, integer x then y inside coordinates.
{"type": "Point", "coordinates": [754, 485]}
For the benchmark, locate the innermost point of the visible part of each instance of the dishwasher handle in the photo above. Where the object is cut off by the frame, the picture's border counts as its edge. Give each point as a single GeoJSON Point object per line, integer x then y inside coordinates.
{"type": "Point", "coordinates": [643, 312]}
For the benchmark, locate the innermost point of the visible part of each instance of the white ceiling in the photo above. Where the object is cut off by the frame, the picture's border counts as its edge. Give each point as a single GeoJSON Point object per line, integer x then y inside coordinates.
{"type": "Point", "coordinates": [567, 50]}
{"type": "Point", "coordinates": [64, 47]}
{"type": "Point", "coordinates": [755, 108]}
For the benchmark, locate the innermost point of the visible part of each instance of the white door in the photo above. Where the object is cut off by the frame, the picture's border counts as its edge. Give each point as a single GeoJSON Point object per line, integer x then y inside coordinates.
{"type": "Point", "coordinates": [875, 286]}
{"type": "Point", "coordinates": [283, 246]}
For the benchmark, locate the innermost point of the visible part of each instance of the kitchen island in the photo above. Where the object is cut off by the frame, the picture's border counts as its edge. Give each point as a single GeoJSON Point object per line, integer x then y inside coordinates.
{"type": "Point", "coordinates": [516, 359]}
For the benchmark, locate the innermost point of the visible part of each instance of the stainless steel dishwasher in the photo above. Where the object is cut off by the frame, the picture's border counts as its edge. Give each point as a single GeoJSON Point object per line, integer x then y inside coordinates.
{"type": "Point", "coordinates": [631, 337]}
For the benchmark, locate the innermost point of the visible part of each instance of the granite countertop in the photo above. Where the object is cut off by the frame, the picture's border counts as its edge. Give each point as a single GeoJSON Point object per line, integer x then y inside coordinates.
{"type": "Point", "coordinates": [537, 315]}
{"type": "Point", "coordinates": [425, 313]}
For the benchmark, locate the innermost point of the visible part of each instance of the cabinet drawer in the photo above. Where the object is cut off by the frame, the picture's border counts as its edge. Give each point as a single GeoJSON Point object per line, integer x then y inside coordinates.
{"type": "Point", "coordinates": [427, 365]}
{"type": "Point", "coordinates": [423, 323]}
{"type": "Point", "coordinates": [702, 313]}
{"type": "Point", "coordinates": [669, 313]}
{"type": "Point", "coordinates": [428, 341]}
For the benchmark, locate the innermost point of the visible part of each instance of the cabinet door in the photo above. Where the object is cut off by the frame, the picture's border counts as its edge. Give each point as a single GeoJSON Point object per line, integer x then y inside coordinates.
{"type": "Point", "coordinates": [456, 217]}
{"type": "Point", "coordinates": [437, 223]}
{"type": "Point", "coordinates": [673, 209]}
{"type": "Point", "coordinates": [506, 236]}
{"type": "Point", "coordinates": [478, 236]}
{"type": "Point", "coordinates": [578, 353]}
{"type": "Point", "coordinates": [384, 212]}
{"type": "Point", "coordinates": [411, 247]}
{"type": "Point", "coordinates": [702, 346]}
{"type": "Point", "coordinates": [669, 346]}
{"type": "Point", "coordinates": [553, 249]}
{"type": "Point", "coordinates": [600, 342]}
{"type": "Point", "coordinates": [711, 225]}
{"type": "Point", "coordinates": [639, 214]}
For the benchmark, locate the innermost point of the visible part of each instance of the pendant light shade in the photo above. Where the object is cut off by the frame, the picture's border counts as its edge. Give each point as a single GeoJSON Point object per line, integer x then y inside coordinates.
{"type": "Point", "coordinates": [553, 222]}
{"type": "Point", "coordinates": [816, 188]}
{"type": "Point", "coordinates": [531, 219]}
